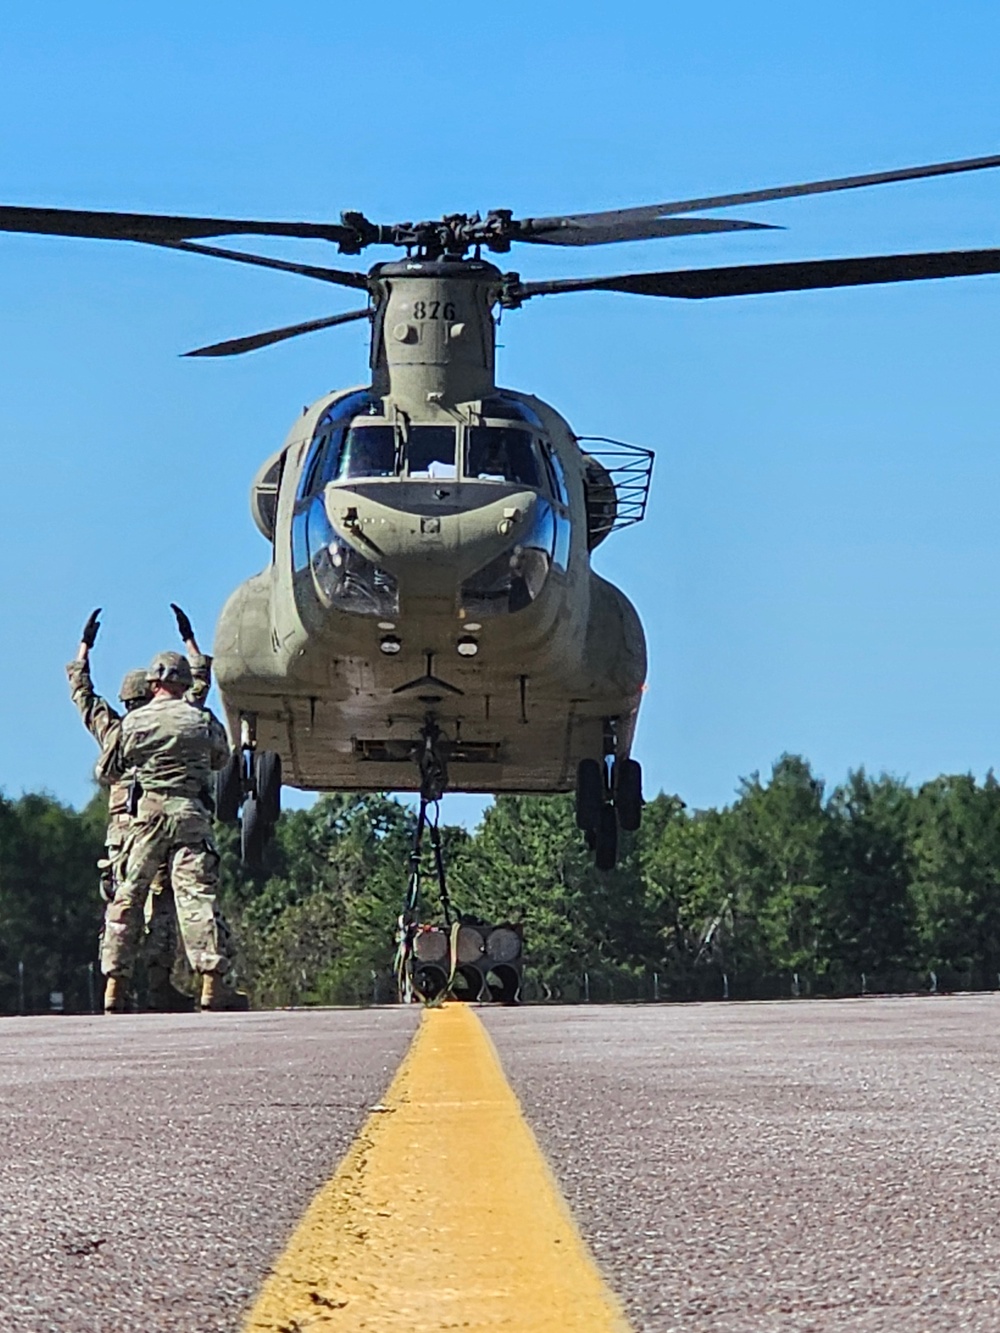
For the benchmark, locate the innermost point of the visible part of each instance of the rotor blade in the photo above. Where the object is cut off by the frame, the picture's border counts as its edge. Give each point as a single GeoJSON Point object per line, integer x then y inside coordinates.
{"type": "Point", "coordinates": [624, 216]}
{"type": "Point", "coordinates": [342, 277]}
{"type": "Point", "coordinates": [749, 279]}
{"type": "Point", "coordinates": [234, 346]}
{"type": "Point", "coordinates": [153, 227]}
{"type": "Point", "coordinates": [572, 231]}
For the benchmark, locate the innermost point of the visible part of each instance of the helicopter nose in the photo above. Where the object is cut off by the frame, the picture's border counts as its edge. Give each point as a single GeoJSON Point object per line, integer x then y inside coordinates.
{"type": "Point", "coordinates": [425, 539]}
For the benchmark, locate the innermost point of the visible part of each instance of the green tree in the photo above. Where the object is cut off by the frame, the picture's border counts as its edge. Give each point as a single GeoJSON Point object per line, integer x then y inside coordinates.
{"type": "Point", "coordinates": [528, 863]}
{"type": "Point", "coordinates": [688, 894]}
{"type": "Point", "coordinates": [50, 909]}
{"type": "Point", "coordinates": [319, 919]}
{"type": "Point", "coordinates": [869, 909]}
{"type": "Point", "coordinates": [956, 853]}
{"type": "Point", "coordinates": [775, 851]}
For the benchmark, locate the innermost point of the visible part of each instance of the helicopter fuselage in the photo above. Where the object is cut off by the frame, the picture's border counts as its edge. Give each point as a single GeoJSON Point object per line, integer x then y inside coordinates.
{"type": "Point", "coordinates": [439, 572]}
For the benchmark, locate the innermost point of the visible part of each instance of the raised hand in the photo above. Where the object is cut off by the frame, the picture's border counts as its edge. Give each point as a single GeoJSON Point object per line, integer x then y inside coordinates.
{"type": "Point", "coordinates": [184, 626]}
{"type": "Point", "coordinates": [93, 624]}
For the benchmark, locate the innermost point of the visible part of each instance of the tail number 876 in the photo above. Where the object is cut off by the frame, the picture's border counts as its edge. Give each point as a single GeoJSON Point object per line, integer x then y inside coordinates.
{"type": "Point", "coordinates": [433, 309]}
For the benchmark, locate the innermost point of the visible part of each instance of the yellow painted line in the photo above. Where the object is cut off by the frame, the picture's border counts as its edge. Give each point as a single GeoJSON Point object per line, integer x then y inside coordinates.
{"type": "Point", "coordinates": [443, 1215]}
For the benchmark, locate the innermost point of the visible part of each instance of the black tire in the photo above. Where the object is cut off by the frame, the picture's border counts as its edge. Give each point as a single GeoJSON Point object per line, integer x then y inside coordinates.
{"type": "Point", "coordinates": [229, 789]}
{"type": "Point", "coordinates": [503, 983]}
{"type": "Point", "coordinates": [628, 794]}
{"type": "Point", "coordinates": [253, 833]}
{"type": "Point", "coordinates": [606, 851]}
{"type": "Point", "coordinates": [267, 784]}
{"type": "Point", "coordinates": [589, 794]}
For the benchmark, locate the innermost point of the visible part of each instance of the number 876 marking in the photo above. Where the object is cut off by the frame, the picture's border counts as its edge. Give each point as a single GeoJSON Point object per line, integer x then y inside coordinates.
{"type": "Point", "coordinates": [433, 309]}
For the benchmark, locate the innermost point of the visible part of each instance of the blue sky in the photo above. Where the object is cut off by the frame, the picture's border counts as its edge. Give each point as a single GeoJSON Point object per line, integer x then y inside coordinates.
{"type": "Point", "coordinates": [820, 568]}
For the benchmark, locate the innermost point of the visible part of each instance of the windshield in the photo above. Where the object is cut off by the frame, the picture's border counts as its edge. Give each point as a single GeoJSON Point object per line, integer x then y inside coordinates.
{"type": "Point", "coordinates": [502, 453]}
{"type": "Point", "coordinates": [349, 450]}
{"type": "Point", "coordinates": [331, 455]}
{"type": "Point", "coordinates": [360, 451]}
{"type": "Point", "coordinates": [430, 452]}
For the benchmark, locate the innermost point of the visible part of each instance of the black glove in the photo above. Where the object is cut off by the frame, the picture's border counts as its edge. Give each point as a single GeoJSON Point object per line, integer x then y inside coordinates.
{"type": "Point", "coordinates": [184, 626]}
{"type": "Point", "coordinates": [107, 880]}
{"type": "Point", "coordinates": [89, 634]}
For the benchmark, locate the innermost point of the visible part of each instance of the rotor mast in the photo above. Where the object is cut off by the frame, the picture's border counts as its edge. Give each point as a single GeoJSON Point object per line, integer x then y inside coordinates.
{"type": "Point", "coordinates": [433, 335]}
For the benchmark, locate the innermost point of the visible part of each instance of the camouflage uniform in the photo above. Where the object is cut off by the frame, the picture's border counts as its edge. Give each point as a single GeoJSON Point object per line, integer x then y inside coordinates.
{"type": "Point", "coordinates": [104, 723]}
{"type": "Point", "coordinates": [172, 746]}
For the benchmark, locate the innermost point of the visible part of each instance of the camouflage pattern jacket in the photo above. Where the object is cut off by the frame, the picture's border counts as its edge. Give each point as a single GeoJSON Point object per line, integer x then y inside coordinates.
{"type": "Point", "coordinates": [103, 721]}
{"type": "Point", "coordinates": [172, 746]}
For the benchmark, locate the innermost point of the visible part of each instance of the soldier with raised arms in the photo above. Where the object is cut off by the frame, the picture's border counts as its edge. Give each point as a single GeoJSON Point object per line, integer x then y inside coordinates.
{"type": "Point", "coordinates": [171, 746]}
{"type": "Point", "coordinates": [103, 721]}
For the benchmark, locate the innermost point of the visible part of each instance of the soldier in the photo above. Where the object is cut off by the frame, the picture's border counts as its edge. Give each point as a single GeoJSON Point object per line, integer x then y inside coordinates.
{"type": "Point", "coordinates": [172, 747]}
{"type": "Point", "coordinates": [103, 722]}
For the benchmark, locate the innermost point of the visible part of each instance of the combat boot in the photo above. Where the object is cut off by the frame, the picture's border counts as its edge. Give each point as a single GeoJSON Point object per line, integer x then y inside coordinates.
{"type": "Point", "coordinates": [162, 997]}
{"type": "Point", "coordinates": [217, 995]}
{"type": "Point", "coordinates": [115, 989]}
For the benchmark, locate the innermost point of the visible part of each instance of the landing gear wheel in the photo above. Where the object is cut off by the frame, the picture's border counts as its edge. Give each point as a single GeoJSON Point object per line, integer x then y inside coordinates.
{"type": "Point", "coordinates": [267, 784]}
{"type": "Point", "coordinates": [589, 794]}
{"type": "Point", "coordinates": [253, 833]}
{"type": "Point", "coordinates": [229, 789]}
{"type": "Point", "coordinates": [606, 850]}
{"type": "Point", "coordinates": [628, 794]}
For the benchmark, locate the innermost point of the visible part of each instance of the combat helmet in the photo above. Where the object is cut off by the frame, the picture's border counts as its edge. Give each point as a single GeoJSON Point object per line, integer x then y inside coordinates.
{"type": "Point", "coordinates": [135, 688]}
{"type": "Point", "coordinates": [170, 669]}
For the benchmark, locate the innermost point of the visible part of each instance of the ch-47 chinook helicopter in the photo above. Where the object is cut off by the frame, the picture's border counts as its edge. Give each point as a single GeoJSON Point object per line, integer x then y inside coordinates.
{"type": "Point", "coordinates": [429, 618]}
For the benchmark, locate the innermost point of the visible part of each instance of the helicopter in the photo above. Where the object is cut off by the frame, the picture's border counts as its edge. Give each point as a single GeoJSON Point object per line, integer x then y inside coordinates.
{"type": "Point", "coordinates": [428, 618]}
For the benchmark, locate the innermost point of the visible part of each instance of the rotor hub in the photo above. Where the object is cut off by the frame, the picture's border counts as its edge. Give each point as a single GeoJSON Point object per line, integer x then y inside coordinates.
{"type": "Point", "coordinates": [453, 235]}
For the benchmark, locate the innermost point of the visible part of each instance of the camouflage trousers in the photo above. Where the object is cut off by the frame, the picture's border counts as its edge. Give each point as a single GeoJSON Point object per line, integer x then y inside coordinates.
{"type": "Point", "coordinates": [161, 939]}
{"type": "Point", "coordinates": [175, 834]}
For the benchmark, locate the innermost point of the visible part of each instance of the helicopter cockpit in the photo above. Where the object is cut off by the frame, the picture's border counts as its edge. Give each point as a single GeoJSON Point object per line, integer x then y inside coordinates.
{"type": "Point", "coordinates": [505, 451]}
{"type": "Point", "coordinates": [352, 443]}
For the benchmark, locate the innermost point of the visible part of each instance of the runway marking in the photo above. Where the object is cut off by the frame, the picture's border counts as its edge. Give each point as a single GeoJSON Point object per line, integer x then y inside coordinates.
{"type": "Point", "coordinates": [443, 1215]}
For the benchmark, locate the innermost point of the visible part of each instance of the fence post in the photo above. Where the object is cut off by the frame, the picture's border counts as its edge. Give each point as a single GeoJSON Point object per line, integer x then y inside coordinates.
{"type": "Point", "coordinates": [725, 985]}
{"type": "Point", "coordinates": [656, 985]}
{"type": "Point", "coordinates": [586, 987]}
{"type": "Point", "coordinates": [20, 986]}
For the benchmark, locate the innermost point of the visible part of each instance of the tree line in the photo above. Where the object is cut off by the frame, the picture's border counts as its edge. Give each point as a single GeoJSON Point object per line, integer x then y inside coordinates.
{"type": "Point", "coordinates": [789, 890]}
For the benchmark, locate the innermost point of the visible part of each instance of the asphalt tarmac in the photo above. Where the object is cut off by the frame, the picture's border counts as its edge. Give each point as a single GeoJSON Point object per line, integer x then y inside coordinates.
{"type": "Point", "coordinates": [794, 1166]}
{"type": "Point", "coordinates": [151, 1166]}
{"type": "Point", "coordinates": [805, 1165]}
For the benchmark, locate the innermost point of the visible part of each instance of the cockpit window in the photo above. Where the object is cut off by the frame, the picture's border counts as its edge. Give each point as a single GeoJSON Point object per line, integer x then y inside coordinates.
{"type": "Point", "coordinates": [325, 451]}
{"type": "Point", "coordinates": [430, 452]}
{"type": "Point", "coordinates": [360, 451]}
{"type": "Point", "coordinates": [557, 474]}
{"type": "Point", "coordinates": [502, 453]}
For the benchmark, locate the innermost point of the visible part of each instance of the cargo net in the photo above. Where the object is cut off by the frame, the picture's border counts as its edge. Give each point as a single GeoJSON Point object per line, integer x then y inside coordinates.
{"type": "Point", "coordinates": [616, 484]}
{"type": "Point", "coordinates": [462, 958]}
